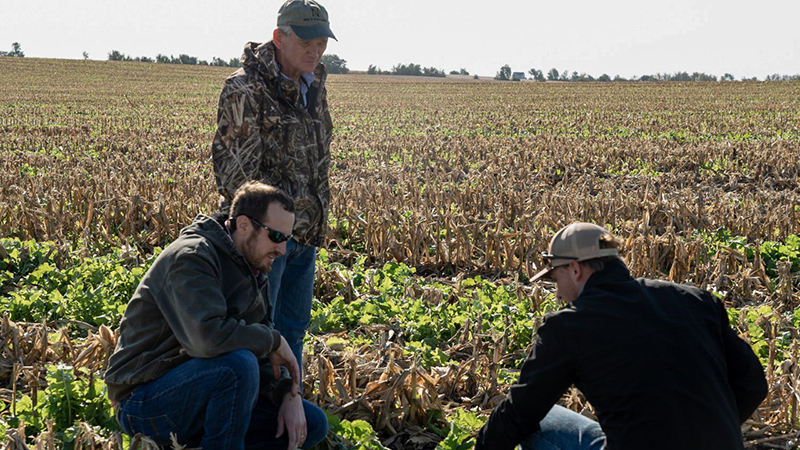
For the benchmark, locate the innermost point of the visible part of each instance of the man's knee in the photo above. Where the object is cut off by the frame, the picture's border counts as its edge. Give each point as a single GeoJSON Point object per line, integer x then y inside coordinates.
{"type": "Point", "coordinates": [243, 365]}
{"type": "Point", "coordinates": [316, 424]}
{"type": "Point", "coordinates": [562, 428]}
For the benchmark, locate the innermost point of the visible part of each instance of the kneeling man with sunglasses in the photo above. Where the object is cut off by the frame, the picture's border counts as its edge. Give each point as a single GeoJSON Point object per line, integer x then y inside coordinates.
{"type": "Point", "coordinates": [197, 355]}
{"type": "Point", "coordinates": [658, 361]}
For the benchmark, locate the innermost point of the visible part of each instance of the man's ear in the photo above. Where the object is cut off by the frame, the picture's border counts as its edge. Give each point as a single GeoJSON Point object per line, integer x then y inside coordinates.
{"type": "Point", "coordinates": [276, 38]}
{"type": "Point", "coordinates": [243, 223]}
{"type": "Point", "coordinates": [575, 270]}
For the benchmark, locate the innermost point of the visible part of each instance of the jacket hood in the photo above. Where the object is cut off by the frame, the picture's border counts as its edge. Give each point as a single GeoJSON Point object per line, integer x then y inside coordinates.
{"type": "Point", "coordinates": [213, 229]}
{"type": "Point", "coordinates": [260, 58]}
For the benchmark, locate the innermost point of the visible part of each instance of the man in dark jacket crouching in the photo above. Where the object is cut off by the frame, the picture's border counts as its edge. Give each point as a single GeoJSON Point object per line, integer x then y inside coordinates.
{"type": "Point", "coordinates": [197, 354]}
{"type": "Point", "coordinates": [658, 361]}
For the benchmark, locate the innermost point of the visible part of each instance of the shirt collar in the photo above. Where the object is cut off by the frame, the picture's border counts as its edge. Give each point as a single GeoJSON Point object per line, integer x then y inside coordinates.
{"type": "Point", "coordinates": [307, 78]}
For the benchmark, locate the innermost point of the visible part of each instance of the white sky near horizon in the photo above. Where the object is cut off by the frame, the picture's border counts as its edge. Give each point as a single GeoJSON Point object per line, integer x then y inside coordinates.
{"type": "Point", "coordinates": [616, 37]}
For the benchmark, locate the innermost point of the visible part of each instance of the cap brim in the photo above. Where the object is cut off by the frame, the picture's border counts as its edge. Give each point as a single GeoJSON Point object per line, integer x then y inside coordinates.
{"type": "Point", "coordinates": [545, 273]}
{"type": "Point", "coordinates": [310, 33]}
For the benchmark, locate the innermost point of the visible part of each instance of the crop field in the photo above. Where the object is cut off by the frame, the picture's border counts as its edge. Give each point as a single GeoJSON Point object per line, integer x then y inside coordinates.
{"type": "Point", "coordinates": [444, 194]}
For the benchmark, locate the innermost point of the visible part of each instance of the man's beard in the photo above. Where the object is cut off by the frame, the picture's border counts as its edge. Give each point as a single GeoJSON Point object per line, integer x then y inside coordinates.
{"type": "Point", "coordinates": [251, 257]}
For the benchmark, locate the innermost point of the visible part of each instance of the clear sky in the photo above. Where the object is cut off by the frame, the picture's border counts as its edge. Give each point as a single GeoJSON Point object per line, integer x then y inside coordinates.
{"type": "Point", "coordinates": [617, 37]}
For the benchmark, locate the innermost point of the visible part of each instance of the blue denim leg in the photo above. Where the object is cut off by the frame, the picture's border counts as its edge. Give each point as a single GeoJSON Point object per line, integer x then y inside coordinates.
{"type": "Point", "coordinates": [291, 287]}
{"type": "Point", "coordinates": [208, 397]}
{"type": "Point", "coordinates": [264, 426]}
{"type": "Point", "coordinates": [562, 429]}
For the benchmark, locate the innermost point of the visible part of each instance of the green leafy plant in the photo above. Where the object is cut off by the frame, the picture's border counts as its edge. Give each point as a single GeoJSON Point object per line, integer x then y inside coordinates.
{"type": "Point", "coordinates": [358, 435]}
{"type": "Point", "coordinates": [93, 290]}
{"type": "Point", "coordinates": [462, 426]}
{"type": "Point", "coordinates": [72, 396]}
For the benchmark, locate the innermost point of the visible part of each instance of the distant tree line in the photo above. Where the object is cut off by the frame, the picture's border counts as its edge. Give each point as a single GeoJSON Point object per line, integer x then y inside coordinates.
{"type": "Point", "coordinates": [16, 50]}
{"type": "Point", "coordinates": [504, 74]}
{"type": "Point", "coordinates": [408, 69]}
{"type": "Point", "coordinates": [115, 55]}
{"type": "Point", "coordinates": [333, 63]}
{"type": "Point", "coordinates": [777, 77]}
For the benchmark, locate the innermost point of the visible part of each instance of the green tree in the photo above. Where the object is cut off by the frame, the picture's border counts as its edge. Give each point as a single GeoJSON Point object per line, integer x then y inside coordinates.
{"type": "Point", "coordinates": [504, 74]}
{"type": "Point", "coordinates": [334, 64]}
{"type": "Point", "coordinates": [463, 71]}
{"type": "Point", "coordinates": [218, 62]}
{"type": "Point", "coordinates": [16, 50]}
{"type": "Point", "coordinates": [679, 76]}
{"type": "Point", "coordinates": [552, 75]}
{"type": "Point", "coordinates": [410, 69]}
{"type": "Point", "coordinates": [188, 60]}
{"type": "Point", "coordinates": [85, 56]}
{"type": "Point", "coordinates": [536, 74]}
{"type": "Point", "coordinates": [115, 55]}
{"type": "Point", "coordinates": [432, 72]}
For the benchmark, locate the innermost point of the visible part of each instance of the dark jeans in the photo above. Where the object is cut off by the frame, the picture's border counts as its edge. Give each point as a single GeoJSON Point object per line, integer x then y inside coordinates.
{"type": "Point", "coordinates": [212, 403]}
{"type": "Point", "coordinates": [291, 289]}
{"type": "Point", "coordinates": [562, 429]}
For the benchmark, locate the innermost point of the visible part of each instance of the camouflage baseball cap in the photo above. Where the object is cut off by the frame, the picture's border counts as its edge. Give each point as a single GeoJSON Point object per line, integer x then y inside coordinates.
{"type": "Point", "coordinates": [308, 19]}
{"type": "Point", "coordinates": [577, 242]}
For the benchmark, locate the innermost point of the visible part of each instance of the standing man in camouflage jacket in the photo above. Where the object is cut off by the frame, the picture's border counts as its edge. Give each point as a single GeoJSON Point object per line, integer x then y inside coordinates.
{"type": "Point", "coordinates": [274, 126]}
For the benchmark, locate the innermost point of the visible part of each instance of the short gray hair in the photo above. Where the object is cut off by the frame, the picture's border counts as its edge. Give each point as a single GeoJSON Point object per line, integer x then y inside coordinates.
{"type": "Point", "coordinates": [286, 30]}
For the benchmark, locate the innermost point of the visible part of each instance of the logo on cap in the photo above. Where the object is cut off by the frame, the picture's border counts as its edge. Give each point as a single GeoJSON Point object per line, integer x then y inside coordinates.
{"type": "Point", "coordinates": [308, 19]}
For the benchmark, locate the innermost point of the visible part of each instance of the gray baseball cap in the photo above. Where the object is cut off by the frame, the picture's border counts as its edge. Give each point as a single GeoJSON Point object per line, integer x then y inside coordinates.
{"type": "Point", "coordinates": [308, 19]}
{"type": "Point", "coordinates": [577, 242]}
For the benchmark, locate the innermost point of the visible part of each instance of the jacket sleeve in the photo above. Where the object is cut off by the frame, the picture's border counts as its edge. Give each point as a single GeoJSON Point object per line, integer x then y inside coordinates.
{"type": "Point", "coordinates": [237, 149]}
{"type": "Point", "coordinates": [745, 373]}
{"type": "Point", "coordinates": [196, 311]}
{"type": "Point", "coordinates": [545, 375]}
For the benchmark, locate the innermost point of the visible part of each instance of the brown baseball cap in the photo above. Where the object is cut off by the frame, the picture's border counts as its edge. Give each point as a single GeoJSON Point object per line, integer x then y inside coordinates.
{"type": "Point", "coordinates": [308, 19]}
{"type": "Point", "coordinates": [577, 242]}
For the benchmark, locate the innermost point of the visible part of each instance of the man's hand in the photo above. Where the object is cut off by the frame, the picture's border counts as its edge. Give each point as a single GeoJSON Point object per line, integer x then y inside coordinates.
{"type": "Point", "coordinates": [292, 419]}
{"type": "Point", "coordinates": [283, 356]}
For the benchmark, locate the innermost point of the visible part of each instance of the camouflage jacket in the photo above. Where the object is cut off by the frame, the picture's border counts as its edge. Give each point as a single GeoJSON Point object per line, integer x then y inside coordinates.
{"type": "Point", "coordinates": [264, 133]}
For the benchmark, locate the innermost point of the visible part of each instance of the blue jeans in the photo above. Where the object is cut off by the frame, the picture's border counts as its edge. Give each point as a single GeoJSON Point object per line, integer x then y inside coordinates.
{"type": "Point", "coordinates": [562, 429]}
{"type": "Point", "coordinates": [212, 403]}
{"type": "Point", "coordinates": [291, 288]}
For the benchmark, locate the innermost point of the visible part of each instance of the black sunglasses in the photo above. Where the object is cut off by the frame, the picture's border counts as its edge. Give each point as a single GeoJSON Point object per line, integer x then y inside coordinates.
{"type": "Point", "coordinates": [548, 258]}
{"type": "Point", "coordinates": [273, 235]}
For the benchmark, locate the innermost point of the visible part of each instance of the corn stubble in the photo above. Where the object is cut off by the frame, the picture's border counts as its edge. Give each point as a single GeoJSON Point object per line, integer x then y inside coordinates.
{"type": "Point", "coordinates": [451, 178]}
